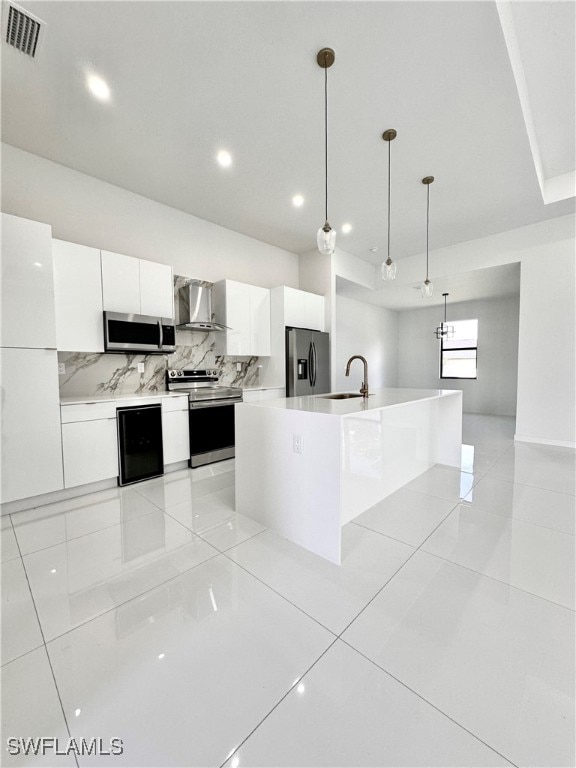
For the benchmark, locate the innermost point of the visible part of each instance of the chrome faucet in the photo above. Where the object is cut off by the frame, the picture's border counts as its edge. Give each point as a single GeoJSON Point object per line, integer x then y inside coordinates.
{"type": "Point", "coordinates": [364, 387]}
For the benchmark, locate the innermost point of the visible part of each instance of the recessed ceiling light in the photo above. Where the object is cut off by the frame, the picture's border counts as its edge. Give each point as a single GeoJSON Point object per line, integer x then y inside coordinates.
{"type": "Point", "coordinates": [37, 264]}
{"type": "Point", "coordinates": [98, 88]}
{"type": "Point", "coordinates": [224, 158]}
{"type": "Point", "coordinates": [298, 201]}
{"type": "Point", "coordinates": [346, 228]}
{"type": "Point", "coordinates": [374, 250]}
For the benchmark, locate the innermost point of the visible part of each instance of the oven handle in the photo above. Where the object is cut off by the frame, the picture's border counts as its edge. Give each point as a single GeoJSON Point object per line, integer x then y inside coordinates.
{"type": "Point", "coordinates": [161, 335]}
{"type": "Point", "coordinates": [215, 403]}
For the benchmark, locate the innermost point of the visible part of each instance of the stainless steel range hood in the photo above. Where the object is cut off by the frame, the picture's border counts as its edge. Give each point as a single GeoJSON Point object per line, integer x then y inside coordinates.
{"type": "Point", "coordinates": [195, 307]}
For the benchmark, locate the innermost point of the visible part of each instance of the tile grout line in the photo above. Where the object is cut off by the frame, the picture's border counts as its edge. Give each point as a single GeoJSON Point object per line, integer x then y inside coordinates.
{"type": "Point", "coordinates": [422, 698]}
{"type": "Point", "coordinates": [134, 597]}
{"type": "Point", "coordinates": [239, 565]}
{"type": "Point", "coordinates": [417, 549]}
{"type": "Point", "coordinates": [45, 646]}
{"type": "Point", "coordinates": [267, 715]}
{"type": "Point", "coordinates": [499, 581]}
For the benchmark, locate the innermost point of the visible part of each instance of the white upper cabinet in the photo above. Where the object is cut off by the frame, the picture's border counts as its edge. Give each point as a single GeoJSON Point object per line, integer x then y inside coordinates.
{"type": "Point", "coordinates": [78, 295]}
{"type": "Point", "coordinates": [260, 320]}
{"type": "Point", "coordinates": [245, 309]}
{"type": "Point", "coordinates": [156, 289]}
{"type": "Point", "coordinates": [135, 286]}
{"type": "Point", "coordinates": [31, 435]}
{"type": "Point", "coordinates": [303, 309]}
{"type": "Point", "coordinates": [27, 285]}
{"type": "Point", "coordinates": [120, 283]}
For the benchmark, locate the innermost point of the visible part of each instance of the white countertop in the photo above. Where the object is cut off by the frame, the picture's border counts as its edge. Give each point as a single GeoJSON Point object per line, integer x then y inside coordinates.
{"type": "Point", "coordinates": [109, 398]}
{"type": "Point", "coordinates": [381, 398]}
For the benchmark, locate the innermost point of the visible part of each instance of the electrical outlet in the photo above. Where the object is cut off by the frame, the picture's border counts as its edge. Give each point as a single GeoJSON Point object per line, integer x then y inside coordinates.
{"type": "Point", "coordinates": [61, 369]}
{"type": "Point", "coordinates": [238, 367]}
{"type": "Point", "coordinates": [140, 367]}
{"type": "Point", "coordinates": [297, 445]}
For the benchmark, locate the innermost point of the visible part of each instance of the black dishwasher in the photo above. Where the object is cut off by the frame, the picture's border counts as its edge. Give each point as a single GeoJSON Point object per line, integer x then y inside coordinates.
{"type": "Point", "coordinates": [140, 443]}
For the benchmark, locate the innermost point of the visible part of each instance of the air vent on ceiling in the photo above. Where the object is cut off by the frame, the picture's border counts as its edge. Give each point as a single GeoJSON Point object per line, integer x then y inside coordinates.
{"type": "Point", "coordinates": [21, 29]}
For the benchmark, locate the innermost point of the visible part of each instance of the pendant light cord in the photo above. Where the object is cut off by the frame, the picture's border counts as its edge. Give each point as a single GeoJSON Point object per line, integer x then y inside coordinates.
{"type": "Point", "coordinates": [326, 138]}
{"type": "Point", "coordinates": [389, 171]}
{"type": "Point", "coordinates": [427, 224]}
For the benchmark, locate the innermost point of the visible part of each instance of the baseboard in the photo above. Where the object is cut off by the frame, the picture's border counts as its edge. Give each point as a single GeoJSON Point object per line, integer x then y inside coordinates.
{"type": "Point", "coordinates": [72, 493]}
{"type": "Point", "coordinates": [544, 441]}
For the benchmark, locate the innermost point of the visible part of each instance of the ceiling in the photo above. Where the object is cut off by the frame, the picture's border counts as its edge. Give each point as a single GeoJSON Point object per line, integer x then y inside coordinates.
{"type": "Point", "coordinates": [489, 283]}
{"type": "Point", "coordinates": [191, 78]}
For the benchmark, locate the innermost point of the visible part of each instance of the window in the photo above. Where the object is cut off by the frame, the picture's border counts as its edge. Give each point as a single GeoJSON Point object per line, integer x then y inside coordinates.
{"type": "Point", "coordinates": [458, 354]}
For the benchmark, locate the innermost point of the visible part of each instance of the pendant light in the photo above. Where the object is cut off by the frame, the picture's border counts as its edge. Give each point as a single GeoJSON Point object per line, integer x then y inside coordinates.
{"type": "Point", "coordinates": [426, 287]}
{"type": "Point", "coordinates": [326, 237]}
{"type": "Point", "coordinates": [389, 266]}
{"type": "Point", "coordinates": [445, 330]}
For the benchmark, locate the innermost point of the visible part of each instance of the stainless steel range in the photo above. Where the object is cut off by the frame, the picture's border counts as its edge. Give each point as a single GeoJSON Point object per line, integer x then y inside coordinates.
{"type": "Point", "coordinates": [211, 413]}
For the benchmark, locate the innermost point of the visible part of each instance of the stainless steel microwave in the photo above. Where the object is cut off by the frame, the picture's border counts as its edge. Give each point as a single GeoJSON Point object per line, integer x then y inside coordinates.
{"type": "Point", "coordinates": [138, 333]}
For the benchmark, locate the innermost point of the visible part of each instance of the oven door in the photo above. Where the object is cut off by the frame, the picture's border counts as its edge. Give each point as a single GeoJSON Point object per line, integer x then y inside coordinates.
{"type": "Point", "coordinates": [211, 431]}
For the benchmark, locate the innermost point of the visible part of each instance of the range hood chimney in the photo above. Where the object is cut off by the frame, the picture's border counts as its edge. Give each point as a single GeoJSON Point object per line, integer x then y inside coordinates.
{"type": "Point", "coordinates": [195, 307]}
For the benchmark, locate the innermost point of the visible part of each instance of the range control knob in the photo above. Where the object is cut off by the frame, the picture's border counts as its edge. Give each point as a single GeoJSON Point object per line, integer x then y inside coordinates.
{"type": "Point", "coordinates": [180, 373]}
{"type": "Point", "coordinates": [172, 373]}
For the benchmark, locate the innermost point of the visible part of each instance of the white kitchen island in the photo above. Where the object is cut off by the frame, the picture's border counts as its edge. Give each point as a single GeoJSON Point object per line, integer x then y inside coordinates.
{"type": "Point", "coordinates": [306, 466]}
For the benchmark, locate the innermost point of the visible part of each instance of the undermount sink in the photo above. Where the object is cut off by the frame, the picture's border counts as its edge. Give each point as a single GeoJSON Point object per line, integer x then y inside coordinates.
{"type": "Point", "coordinates": [342, 396]}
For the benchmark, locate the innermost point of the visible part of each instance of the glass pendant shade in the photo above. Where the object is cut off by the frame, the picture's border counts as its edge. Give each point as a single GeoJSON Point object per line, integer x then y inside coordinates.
{"type": "Point", "coordinates": [326, 240]}
{"type": "Point", "coordinates": [427, 289]}
{"type": "Point", "coordinates": [388, 269]}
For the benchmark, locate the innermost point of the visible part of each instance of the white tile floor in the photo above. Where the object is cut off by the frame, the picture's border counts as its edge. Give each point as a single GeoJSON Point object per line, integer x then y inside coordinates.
{"type": "Point", "coordinates": [157, 615]}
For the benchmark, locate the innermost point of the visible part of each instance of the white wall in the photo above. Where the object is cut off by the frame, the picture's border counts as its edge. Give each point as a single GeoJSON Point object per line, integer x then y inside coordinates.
{"type": "Point", "coordinates": [546, 400]}
{"type": "Point", "coordinates": [547, 340]}
{"type": "Point", "coordinates": [370, 331]}
{"type": "Point", "coordinates": [494, 391]}
{"type": "Point", "coordinates": [85, 210]}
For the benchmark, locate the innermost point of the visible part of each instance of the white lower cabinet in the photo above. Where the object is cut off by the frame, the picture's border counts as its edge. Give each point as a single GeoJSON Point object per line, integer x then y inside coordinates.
{"type": "Point", "coordinates": [90, 451]}
{"type": "Point", "coordinates": [31, 437]}
{"type": "Point", "coordinates": [255, 395]}
{"type": "Point", "coordinates": [175, 431]}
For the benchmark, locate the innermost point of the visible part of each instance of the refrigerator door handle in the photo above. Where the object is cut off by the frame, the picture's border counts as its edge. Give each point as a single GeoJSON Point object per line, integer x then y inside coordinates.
{"type": "Point", "coordinates": [311, 364]}
{"type": "Point", "coordinates": [315, 360]}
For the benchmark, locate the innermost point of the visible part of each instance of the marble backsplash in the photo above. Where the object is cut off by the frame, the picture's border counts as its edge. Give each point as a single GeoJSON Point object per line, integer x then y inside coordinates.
{"type": "Point", "coordinates": [89, 374]}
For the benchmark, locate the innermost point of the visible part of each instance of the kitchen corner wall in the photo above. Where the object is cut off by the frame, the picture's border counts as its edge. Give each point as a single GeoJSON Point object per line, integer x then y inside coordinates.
{"type": "Point", "coordinates": [89, 374]}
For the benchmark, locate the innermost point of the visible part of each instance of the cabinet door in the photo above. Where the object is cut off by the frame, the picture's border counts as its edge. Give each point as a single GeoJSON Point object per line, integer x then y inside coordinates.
{"type": "Point", "coordinates": [90, 451]}
{"type": "Point", "coordinates": [156, 289]}
{"type": "Point", "coordinates": [120, 283]}
{"type": "Point", "coordinates": [259, 321]}
{"type": "Point", "coordinates": [314, 311]}
{"type": "Point", "coordinates": [294, 308]}
{"type": "Point", "coordinates": [175, 436]}
{"type": "Point", "coordinates": [238, 339]}
{"type": "Point", "coordinates": [27, 285]}
{"type": "Point", "coordinates": [78, 297]}
{"type": "Point", "coordinates": [31, 436]}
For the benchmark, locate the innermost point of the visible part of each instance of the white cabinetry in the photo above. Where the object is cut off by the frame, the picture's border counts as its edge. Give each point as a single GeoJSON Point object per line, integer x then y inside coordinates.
{"type": "Point", "coordinates": [120, 283]}
{"type": "Point", "coordinates": [27, 285]}
{"type": "Point", "coordinates": [90, 445]}
{"type": "Point", "coordinates": [156, 289]}
{"type": "Point", "coordinates": [31, 438]}
{"type": "Point", "coordinates": [136, 286]}
{"type": "Point", "coordinates": [78, 295]}
{"type": "Point", "coordinates": [256, 395]}
{"type": "Point", "coordinates": [303, 309]}
{"type": "Point", "coordinates": [246, 310]}
{"type": "Point", "coordinates": [175, 431]}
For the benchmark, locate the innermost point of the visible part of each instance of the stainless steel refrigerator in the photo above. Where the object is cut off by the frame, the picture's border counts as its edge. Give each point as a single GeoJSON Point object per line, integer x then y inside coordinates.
{"type": "Point", "coordinates": [307, 362]}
